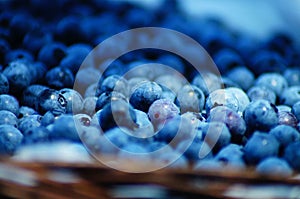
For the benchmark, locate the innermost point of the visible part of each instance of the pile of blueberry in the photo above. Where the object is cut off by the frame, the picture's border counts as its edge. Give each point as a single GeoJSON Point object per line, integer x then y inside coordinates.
{"type": "Point", "coordinates": [247, 116]}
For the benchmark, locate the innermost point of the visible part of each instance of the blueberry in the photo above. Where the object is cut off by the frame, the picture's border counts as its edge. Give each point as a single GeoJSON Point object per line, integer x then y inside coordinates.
{"type": "Point", "coordinates": [232, 119]}
{"type": "Point", "coordinates": [117, 137]}
{"type": "Point", "coordinates": [197, 150]}
{"type": "Point", "coordinates": [242, 98]}
{"type": "Point", "coordinates": [7, 117]}
{"type": "Point", "coordinates": [260, 92]}
{"type": "Point", "coordinates": [59, 78]}
{"type": "Point", "coordinates": [287, 118]}
{"type": "Point", "coordinates": [207, 82]}
{"type": "Point", "coordinates": [31, 94]}
{"type": "Point", "coordinates": [144, 95]}
{"type": "Point", "coordinates": [190, 99]}
{"type": "Point", "coordinates": [242, 76]}
{"type": "Point", "coordinates": [261, 115]}
{"type": "Point", "coordinates": [29, 122]}
{"type": "Point", "coordinates": [232, 156]}
{"type": "Point", "coordinates": [9, 103]}
{"type": "Point", "coordinates": [117, 113]}
{"type": "Point", "coordinates": [52, 53]}
{"type": "Point", "coordinates": [70, 31]}
{"type": "Point", "coordinates": [106, 98]}
{"type": "Point", "coordinates": [292, 155]}
{"type": "Point", "coordinates": [260, 146]}
{"type": "Point", "coordinates": [37, 135]}
{"type": "Point", "coordinates": [274, 81]}
{"type": "Point", "coordinates": [36, 39]}
{"type": "Point", "coordinates": [75, 56]}
{"type": "Point", "coordinates": [290, 95]}
{"type": "Point", "coordinates": [296, 110]}
{"type": "Point", "coordinates": [221, 97]}
{"type": "Point", "coordinates": [38, 71]}
{"type": "Point", "coordinates": [285, 134]}
{"type": "Point", "coordinates": [176, 126]}
{"type": "Point", "coordinates": [267, 61]}
{"type": "Point", "coordinates": [74, 100]}
{"type": "Point", "coordinates": [162, 110]}
{"type": "Point", "coordinates": [227, 59]}
{"type": "Point", "coordinates": [51, 100]}
{"type": "Point", "coordinates": [25, 111]}
{"type": "Point", "coordinates": [10, 139]}
{"type": "Point", "coordinates": [273, 166]}
{"type": "Point", "coordinates": [4, 84]}
{"type": "Point", "coordinates": [112, 83]}
{"type": "Point", "coordinates": [292, 76]}
{"type": "Point", "coordinates": [65, 128]}
{"type": "Point", "coordinates": [216, 135]}
{"type": "Point", "coordinates": [18, 75]}
{"type": "Point", "coordinates": [19, 26]}
{"type": "Point", "coordinates": [48, 118]}
{"type": "Point", "coordinates": [89, 105]}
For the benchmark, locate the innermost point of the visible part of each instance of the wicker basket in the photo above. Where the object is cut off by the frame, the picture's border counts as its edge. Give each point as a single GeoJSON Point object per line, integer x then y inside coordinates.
{"type": "Point", "coordinates": [94, 180]}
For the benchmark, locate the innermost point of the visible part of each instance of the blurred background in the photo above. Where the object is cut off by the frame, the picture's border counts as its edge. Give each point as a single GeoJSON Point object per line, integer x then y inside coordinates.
{"type": "Point", "coordinates": [260, 18]}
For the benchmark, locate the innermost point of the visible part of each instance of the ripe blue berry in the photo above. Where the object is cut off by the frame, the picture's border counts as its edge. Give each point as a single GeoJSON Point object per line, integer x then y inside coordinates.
{"type": "Point", "coordinates": [217, 135]}
{"type": "Point", "coordinates": [51, 100]}
{"type": "Point", "coordinates": [9, 103]}
{"type": "Point", "coordinates": [292, 155]}
{"type": "Point", "coordinates": [112, 83]}
{"type": "Point", "coordinates": [89, 105]}
{"type": "Point", "coordinates": [260, 146]}
{"type": "Point", "coordinates": [162, 110]}
{"type": "Point", "coordinates": [287, 118]}
{"type": "Point", "coordinates": [144, 95]}
{"type": "Point", "coordinates": [18, 75]}
{"type": "Point", "coordinates": [290, 95]}
{"type": "Point", "coordinates": [232, 156]}
{"type": "Point", "coordinates": [274, 81]}
{"type": "Point", "coordinates": [242, 76]}
{"type": "Point", "coordinates": [222, 97]}
{"type": "Point", "coordinates": [261, 115]}
{"type": "Point", "coordinates": [7, 117]}
{"type": "Point", "coordinates": [292, 76]}
{"type": "Point", "coordinates": [74, 100]}
{"type": "Point", "coordinates": [274, 166]}
{"type": "Point", "coordinates": [117, 113]}
{"type": "Point", "coordinates": [29, 122]}
{"type": "Point", "coordinates": [190, 99]}
{"type": "Point", "coordinates": [285, 134]}
{"type": "Point", "coordinates": [232, 119]}
{"type": "Point", "coordinates": [59, 78]}
{"type": "Point", "coordinates": [52, 53]}
{"type": "Point", "coordinates": [261, 92]}
{"type": "Point", "coordinates": [10, 139]}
